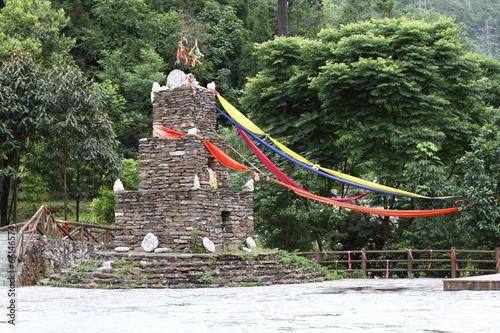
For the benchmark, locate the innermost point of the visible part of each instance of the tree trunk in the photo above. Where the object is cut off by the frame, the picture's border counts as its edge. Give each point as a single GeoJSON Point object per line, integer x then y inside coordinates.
{"type": "Point", "coordinates": [13, 204]}
{"type": "Point", "coordinates": [12, 162]}
{"type": "Point", "coordinates": [78, 194]}
{"type": "Point", "coordinates": [386, 229]}
{"type": "Point", "coordinates": [4, 201]}
{"type": "Point", "coordinates": [65, 185]}
{"type": "Point", "coordinates": [283, 18]}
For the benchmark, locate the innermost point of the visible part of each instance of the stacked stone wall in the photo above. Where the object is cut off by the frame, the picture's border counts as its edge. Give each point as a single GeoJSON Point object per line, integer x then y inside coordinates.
{"type": "Point", "coordinates": [180, 109]}
{"type": "Point", "coordinates": [52, 256]}
{"type": "Point", "coordinates": [136, 270]}
{"type": "Point", "coordinates": [223, 216]}
{"type": "Point", "coordinates": [167, 204]}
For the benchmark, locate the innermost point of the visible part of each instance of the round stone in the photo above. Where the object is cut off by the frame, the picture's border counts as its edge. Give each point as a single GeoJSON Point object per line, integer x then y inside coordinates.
{"type": "Point", "coordinates": [176, 78]}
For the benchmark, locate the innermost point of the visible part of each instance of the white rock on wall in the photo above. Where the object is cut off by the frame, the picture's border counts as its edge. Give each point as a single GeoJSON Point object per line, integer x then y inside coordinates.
{"type": "Point", "coordinates": [150, 242]}
{"type": "Point", "coordinates": [118, 186]}
{"type": "Point", "coordinates": [250, 243]}
{"type": "Point", "coordinates": [208, 244]}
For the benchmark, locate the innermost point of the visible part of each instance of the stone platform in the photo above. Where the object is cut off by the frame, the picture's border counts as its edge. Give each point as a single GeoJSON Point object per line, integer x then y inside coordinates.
{"type": "Point", "coordinates": [114, 270]}
{"type": "Point", "coordinates": [483, 282]}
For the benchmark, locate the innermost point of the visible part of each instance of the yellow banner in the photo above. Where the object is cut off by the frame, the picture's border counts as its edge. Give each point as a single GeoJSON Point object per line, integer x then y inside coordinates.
{"type": "Point", "coordinates": [239, 117]}
{"type": "Point", "coordinates": [249, 125]}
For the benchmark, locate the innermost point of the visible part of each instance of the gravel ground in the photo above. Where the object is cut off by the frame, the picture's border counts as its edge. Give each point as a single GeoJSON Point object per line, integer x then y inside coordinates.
{"type": "Point", "coordinates": [393, 305]}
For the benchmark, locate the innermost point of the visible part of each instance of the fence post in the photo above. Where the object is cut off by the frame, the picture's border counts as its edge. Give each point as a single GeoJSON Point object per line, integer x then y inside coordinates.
{"type": "Point", "coordinates": [453, 263]}
{"type": "Point", "coordinates": [410, 263]}
{"type": "Point", "coordinates": [317, 256]}
{"type": "Point", "coordinates": [497, 250]}
{"type": "Point", "coordinates": [363, 261]}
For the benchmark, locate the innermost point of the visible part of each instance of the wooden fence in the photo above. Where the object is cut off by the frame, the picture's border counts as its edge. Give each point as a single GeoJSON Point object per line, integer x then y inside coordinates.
{"type": "Point", "coordinates": [387, 262]}
{"type": "Point", "coordinates": [42, 223]}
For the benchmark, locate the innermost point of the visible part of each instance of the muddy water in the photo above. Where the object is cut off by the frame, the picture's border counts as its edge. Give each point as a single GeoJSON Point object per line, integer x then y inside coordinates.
{"type": "Point", "coordinates": [394, 305]}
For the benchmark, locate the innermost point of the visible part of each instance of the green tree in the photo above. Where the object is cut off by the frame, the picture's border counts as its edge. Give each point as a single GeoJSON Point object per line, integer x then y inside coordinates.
{"type": "Point", "coordinates": [479, 181]}
{"type": "Point", "coordinates": [85, 148]}
{"type": "Point", "coordinates": [128, 43]}
{"type": "Point", "coordinates": [19, 109]}
{"type": "Point", "coordinates": [352, 11]}
{"type": "Point", "coordinates": [131, 84]}
{"type": "Point", "coordinates": [35, 27]}
{"type": "Point", "coordinates": [103, 207]}
{"type": "Point", "coordinates": [59, 112]}
{"type": "Point", "coordinates": [31, 38]}
{"type": "Point", "coordinates": [369, 98]}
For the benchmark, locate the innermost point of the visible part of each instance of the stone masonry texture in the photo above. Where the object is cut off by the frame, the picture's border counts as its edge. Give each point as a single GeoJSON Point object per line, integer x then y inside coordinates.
{"type": "Point", "coordinates": [166, 203]}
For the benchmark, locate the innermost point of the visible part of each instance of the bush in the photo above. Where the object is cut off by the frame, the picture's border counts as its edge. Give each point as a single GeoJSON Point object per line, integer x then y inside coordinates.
{"type": "Point", "coordinates": [103, 207]}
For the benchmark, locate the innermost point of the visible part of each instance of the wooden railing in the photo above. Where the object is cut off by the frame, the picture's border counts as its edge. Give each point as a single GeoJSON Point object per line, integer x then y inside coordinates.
{"type": "Point", "coordinates": [386, 262]}
{"type": "Point", "coordinates": [42, 223]}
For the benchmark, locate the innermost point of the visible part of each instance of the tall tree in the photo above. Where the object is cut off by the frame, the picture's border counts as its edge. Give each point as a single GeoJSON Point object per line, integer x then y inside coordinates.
{"type": "Point", "coordinates": [30, 34]}
{"type": "Point", "coordinates": [84, 150]}
{"type": "Point", "coordinates": [34, 26]}
{"type": "Point", "coordinates": [479, 181]}
{"type": "Point", "coordinates": [42, 93]}
{"type": "Point", "coordinates": [369, 97]}
{"type": "Point", "coordinates": [20, 107]}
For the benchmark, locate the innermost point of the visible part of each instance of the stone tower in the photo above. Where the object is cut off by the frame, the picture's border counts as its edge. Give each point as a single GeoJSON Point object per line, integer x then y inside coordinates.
{"type": "Point", "coordinates": [167, 203]}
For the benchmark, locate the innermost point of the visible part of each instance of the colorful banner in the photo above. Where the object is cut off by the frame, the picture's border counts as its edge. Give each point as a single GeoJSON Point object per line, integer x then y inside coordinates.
{"type": "Point", "coordinates": [289, 154]}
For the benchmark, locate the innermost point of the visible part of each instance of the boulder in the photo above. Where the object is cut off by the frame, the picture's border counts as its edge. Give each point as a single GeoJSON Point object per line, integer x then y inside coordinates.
{"type": "Point", "coordinates": [150, 242]}
{"type": "Point", "coordinates": [250, 243]}
{"type": "Point", "coordinates": [208, 244]}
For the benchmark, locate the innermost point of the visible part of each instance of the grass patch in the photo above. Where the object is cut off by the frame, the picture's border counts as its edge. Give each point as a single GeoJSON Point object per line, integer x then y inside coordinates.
{"type": "Point", "coordinates": [124, 267]}
{"type": "Point", "coordinates": [289, 258]}
{"type": "Point", "coordinates": [123, 264]}
{"type": "Point", "coordinates": [89, 265]}
{"type": "Point", "coordinates": [205, 278]}
{"type": "Point", "coordinates": [130, 286]}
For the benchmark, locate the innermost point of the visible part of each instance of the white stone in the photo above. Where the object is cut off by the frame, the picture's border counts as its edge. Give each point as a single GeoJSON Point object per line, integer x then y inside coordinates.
{"type": "Point", "coordinates": [196, 184]}
{"type": "Point", "coordinates": [193, 131]}
{"type": "Point", "coordinates": [250, 243]}
{"type": "Point", "coordinates": [177, 153]}
{"type": "Point", "coordinates": [248, 186]}
{"type": "Point", "coordinates": [150, 242]}
{"type": "Point", "coordinates": [208, 244]}
{"type": "Point", "coordinates": [246, 249]}
{"type": "Point", "coordinates": [211, 86]}
{"type": "Point", "coordinates": [156, 87]}
{"type": "Point", "coordinates": [176, 78]}
{"type": "Point", "coordinates": [107, 265]}
{"type": "Point", "coordinates": [118, 186]}
{"type": "Point", "coordinates": [162, 250]}
{"type": "Point", "coordinates": [122, 249]}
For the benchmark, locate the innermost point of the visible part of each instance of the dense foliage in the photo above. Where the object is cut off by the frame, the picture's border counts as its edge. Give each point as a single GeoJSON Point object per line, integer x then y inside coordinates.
{"type": "Point", "coordinates": [394, 99]}
{"type": "Point", "coordinates": [386, 90]}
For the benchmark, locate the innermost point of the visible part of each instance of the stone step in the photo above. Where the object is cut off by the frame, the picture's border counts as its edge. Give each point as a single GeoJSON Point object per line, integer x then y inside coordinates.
{"type": "Point", "coordinates": [141, 270]}
{"type": "Point", "coordinates": [188, 279]}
